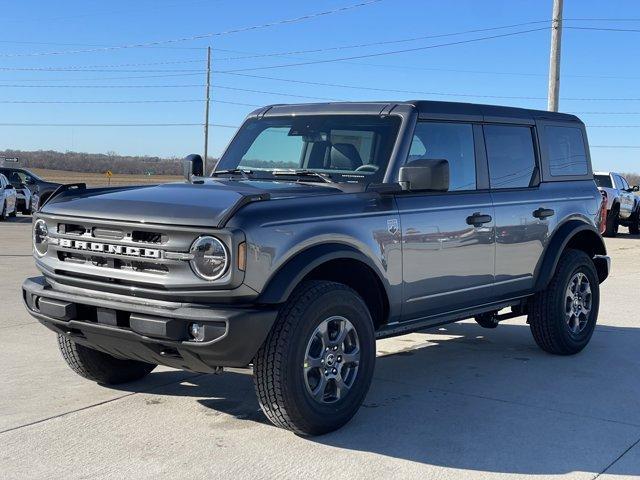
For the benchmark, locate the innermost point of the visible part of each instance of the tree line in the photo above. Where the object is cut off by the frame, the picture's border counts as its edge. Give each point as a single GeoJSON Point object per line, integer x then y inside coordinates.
{"type": "Point", "coordinates": [96, 162]}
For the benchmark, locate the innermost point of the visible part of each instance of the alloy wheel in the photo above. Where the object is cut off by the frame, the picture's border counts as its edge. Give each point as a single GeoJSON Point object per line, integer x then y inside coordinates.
{"type": "Point", "coordinates": [578, 303]}
{"type": "Point", "coordinates": [331, 360]}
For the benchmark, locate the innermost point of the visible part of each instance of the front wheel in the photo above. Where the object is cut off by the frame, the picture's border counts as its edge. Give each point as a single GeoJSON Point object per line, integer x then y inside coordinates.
{"type": "Point", "coordinates": [101, 367]}
{"type": "Point", "coordinates": [613, 222]}
{"type": "Point", "coordinates": [314, 369]}
{"type": "Point", "coordinates": [563, 316]}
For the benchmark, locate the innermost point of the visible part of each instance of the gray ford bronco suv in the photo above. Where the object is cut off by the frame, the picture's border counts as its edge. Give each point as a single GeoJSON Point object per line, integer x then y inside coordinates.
{"type": "Point", "coordinates": [322, 228]}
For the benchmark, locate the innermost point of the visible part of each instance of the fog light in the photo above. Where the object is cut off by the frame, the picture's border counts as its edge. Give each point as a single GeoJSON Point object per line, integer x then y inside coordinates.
{"type": "Point", "coordinates": [196, 330]}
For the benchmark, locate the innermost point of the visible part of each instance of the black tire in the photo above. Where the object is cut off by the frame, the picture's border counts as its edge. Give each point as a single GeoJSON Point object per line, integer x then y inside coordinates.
{"type": "Point", "coordinates": [547, 318]}
{"type": "Point", "coordinates": [613, 222]}
{"type": "Point", "coordinates": [3, 213]}
{"type": "Point", "coordinates": [487, 320]}
{"type": "Point", "coordinates": [279, 367]}
{"type": "Point", "coordinates": [101, 367]}
{"type": "Point", "coordinates": [634, 226]}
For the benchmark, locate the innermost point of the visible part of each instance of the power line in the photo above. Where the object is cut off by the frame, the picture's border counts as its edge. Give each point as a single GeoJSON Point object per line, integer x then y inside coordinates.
{"type": "Point", "coordinates": [387, 42]}
{"type": "Point", "coordinates": [602, 29]}
{"type": "Point", "coordinates": [117, 102]}
{"type": "Point", "coordinates": [445, 94]}
{"type": "Point", "coordinates": [393, 52]}
{"type": "Point", "coordinates": [614, 146]}
{"type": "Point", "coordinates": [204, 35]}
{"type": "Point", "coordinates": [112, 125]}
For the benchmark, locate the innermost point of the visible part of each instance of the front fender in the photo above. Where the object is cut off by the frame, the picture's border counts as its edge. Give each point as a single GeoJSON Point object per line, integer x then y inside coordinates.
{"type": "Point", "coordinates": [284, 280]}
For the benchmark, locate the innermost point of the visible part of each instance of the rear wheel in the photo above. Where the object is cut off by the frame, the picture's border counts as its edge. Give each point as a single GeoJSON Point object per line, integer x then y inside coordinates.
{"type": "Point", "coordinates": [101, 367]}
{"type": "Point", "coordinates": [634, 226]}
{"type": "Point", "coordinates": [563, 316]}
{"type": "Point", "coordinates": [315, 367]}
{"type": "Point", "coordinates": [613, 222]}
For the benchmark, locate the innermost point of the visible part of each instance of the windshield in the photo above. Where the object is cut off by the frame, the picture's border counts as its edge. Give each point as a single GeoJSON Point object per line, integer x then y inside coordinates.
{"type": "Point", "coordinates": [348, 148]}
{"type": "Point", "coordinates": [603, 181]}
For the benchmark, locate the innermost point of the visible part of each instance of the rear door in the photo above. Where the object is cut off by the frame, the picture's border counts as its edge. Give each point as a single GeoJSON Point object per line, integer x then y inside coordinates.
{"type": "Point", "coordinates": [626, 197]}
{"type": "Point", "coordinates": [522, 213]}
{"type": "Point", "coordinates": [447, 237]}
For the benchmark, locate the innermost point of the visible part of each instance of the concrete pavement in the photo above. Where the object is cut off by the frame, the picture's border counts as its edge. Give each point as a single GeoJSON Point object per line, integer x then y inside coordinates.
{"type": "Point", "coordinates": [455, 402]}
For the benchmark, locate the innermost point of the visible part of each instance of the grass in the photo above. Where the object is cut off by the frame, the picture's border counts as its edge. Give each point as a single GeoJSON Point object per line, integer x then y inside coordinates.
{"type": "Point", "coordinates": [100, 180]}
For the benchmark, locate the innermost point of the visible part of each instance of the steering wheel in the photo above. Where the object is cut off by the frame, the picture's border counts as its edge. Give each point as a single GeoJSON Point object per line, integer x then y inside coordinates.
{"type": "Point", "coordinates": [368, 168]}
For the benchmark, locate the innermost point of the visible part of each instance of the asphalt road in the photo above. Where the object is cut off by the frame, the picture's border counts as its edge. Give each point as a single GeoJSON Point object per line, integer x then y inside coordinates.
{"type": "Point", "coordinates": [456, 402]}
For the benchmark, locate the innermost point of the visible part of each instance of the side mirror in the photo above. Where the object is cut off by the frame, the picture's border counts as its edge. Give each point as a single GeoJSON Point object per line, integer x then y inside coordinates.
{"type": "Point", "coordinates": [192, 166]}
{"type": "Point", "coordinates": [635, 188]}
{"type": "Point", "coordinates": [425, 174]}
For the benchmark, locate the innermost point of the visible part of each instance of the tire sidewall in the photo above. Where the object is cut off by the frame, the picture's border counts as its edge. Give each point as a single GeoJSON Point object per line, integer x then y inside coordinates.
{"type": "Point", "coordinates": [583, 265]}
{"type": "Point", "coordinates": [349, 305]}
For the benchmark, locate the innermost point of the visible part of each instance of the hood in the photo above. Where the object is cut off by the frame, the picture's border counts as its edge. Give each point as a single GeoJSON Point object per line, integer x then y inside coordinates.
{"type": "Point", "coordinates": [208, 204]}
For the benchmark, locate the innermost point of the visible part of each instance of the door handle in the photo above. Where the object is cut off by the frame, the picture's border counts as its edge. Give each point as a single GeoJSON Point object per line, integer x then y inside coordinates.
{"type": "Point", "coordinates": [478, 219]}
{"type": "Point", "coordinates": [543, 212]}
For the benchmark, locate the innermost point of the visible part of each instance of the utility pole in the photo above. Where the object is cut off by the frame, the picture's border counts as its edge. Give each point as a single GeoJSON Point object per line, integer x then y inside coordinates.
{"type": "Point", "coordinates": [206, 113]}
{"type": "Point", "coordinates": [554, 60]}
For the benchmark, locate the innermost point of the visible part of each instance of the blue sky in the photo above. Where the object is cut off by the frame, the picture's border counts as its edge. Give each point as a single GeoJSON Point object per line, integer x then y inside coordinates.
{"type": "Point", "coordinates": [595, 65]}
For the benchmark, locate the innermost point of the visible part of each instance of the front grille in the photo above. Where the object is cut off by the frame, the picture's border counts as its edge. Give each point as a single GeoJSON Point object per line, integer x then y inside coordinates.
{"type": "Point", "coordinates": [146, 237]}
{"type": "Point", "coordinates": [124, 253]}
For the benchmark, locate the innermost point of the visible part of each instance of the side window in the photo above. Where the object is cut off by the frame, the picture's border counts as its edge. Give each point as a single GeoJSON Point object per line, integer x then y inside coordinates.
{"type": "Point", "coordinates": [625, 184]}
{"type": "Point", "coordinates": [447, 141]}
{"type": "Point", "coordinates": [565, 149]}
{"type": "Point", "coordinates": [511, 155]}
{"type": "Point", "coordinates": [619, 182]}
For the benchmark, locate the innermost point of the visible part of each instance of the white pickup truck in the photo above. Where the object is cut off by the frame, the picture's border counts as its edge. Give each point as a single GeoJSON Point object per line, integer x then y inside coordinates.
{"type": "Point", "coordinates": [623, 205]}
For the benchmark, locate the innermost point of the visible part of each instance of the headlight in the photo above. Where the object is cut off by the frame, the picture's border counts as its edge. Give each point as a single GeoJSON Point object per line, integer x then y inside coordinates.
{"type": "Point", "coordinates": [210, 259]}
{"type": "Point", "coordinates": [40, 237]}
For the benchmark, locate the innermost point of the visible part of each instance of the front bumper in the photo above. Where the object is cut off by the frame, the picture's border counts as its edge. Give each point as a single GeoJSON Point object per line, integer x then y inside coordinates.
{"type": "Point", "coordinates": [154, 332]}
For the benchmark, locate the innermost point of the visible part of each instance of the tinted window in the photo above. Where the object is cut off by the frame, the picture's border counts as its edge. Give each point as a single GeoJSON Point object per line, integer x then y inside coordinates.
{"type": "Point", "coordinates": [603, 181]}
{"type": "Point", "coordinates": [511, 156]}
{"type": "Point", "coordinates": [449, 141]}
{"type": "Point", "coordinates": [565, 148]}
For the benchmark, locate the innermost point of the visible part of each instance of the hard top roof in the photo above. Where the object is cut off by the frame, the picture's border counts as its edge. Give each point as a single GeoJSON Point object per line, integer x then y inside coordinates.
{"type": "Point", "coordinates": [424, 108]}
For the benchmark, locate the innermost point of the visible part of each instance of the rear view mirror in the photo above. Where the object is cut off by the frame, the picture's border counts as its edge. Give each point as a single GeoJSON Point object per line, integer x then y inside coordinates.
{"type": "Point", "coordinates": [425, 174]}
{"type": "Point", "coordinates": [192, 166]}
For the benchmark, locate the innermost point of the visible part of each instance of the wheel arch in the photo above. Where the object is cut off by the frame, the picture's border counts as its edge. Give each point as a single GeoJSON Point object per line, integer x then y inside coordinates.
{"type": "Point", "coordinates": [334, 262]}
{"type": "Point", "coordinates": [576, 234]}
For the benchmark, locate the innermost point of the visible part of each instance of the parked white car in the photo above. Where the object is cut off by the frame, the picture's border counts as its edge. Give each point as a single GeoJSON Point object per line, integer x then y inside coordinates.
{"type": "Point", "coordinates": [623, 205]}
{"type": "Point", "coordinates": [8, 198]}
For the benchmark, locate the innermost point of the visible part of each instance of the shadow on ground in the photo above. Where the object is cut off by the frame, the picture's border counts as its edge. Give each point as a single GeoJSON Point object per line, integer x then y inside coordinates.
{"type": "Point", "coordinates": [18, 219]}
{"type": "Point", "coordinates": [479, 400]}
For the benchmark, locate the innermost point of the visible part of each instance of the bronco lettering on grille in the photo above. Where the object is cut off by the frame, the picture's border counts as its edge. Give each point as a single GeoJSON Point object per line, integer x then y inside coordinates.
{"type": "Point", "coordinates": [108, 248]}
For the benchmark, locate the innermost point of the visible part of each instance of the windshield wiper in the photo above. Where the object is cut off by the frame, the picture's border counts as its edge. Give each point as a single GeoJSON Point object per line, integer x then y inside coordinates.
{"type": "Point", "coordinates": [305, 173]}
{"type": "Point", "coordinates": [233, 171]}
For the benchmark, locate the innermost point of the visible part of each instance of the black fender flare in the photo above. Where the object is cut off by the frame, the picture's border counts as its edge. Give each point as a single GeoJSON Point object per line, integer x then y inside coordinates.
{"type": "Point", "coordinates": [559, 241]}
{"type": "Point", "coordinates": [288, 276]}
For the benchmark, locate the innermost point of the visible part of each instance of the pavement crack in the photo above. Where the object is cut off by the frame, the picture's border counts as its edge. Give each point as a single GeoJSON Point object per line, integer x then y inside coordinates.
{"type": "Point", "coordinates": [618, 458]}
{"type": "Point", "coordinates": [87, 407]}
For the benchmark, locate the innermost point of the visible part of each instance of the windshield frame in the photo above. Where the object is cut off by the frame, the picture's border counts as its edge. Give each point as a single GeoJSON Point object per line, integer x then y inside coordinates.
{"type": "Point", "coordinates": [339, 176]}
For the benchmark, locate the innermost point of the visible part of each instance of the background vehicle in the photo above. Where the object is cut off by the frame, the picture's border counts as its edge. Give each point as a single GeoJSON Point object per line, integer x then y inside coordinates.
{"type": "Point", "coordinates": [37, 186]}
{"type": "Point", "coordinates": [623, 205]}
{"type": "Point", "coordinates": [24, 196]}
{"type": "Point", "coordinates": [324, 227]}
{"type": "Point", "coordinates": [7, 198]}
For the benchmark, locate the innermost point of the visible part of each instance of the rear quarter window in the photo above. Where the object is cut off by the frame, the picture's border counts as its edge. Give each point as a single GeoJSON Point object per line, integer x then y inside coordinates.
{"type": "Point", "coordinates": [565, 151]}
{"type": "Point", "coordinates": [603, 181]}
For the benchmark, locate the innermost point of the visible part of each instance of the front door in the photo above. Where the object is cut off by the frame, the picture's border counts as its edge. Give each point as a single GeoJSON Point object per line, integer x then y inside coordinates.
{"type": "Point", "coordinates": [448, 248]}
